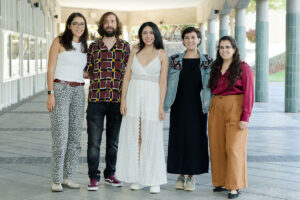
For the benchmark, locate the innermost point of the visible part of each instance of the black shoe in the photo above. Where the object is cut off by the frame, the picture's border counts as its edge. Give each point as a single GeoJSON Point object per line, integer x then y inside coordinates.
{"type": "Point", "coordinates": [233, 196]}
{"type": "Point", "coordinates": [219, 189]}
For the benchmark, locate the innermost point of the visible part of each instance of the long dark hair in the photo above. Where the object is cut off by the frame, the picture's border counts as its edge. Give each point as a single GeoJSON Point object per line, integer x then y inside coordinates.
{"type": "Point", "coordinates": [67, 36]}
{"type": "Point", "coordinates": [234, 67]}
{"type": "Point", "coordinates": [158, 42]}
{"type": "Point", "coordinates": [101, 23]}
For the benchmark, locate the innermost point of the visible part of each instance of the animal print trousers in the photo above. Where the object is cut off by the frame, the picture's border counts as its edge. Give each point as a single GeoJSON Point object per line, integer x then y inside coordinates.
{"type": "Point", "coordinates": [66, 128]}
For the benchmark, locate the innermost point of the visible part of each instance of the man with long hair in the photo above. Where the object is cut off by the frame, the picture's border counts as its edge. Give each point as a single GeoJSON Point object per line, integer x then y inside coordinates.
{"type": "Point", "coordinates": [106, 63]}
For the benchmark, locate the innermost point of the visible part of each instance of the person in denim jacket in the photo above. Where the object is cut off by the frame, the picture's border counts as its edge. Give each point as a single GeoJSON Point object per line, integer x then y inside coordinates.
{"type": "Point", "coordinates": [189, 98]}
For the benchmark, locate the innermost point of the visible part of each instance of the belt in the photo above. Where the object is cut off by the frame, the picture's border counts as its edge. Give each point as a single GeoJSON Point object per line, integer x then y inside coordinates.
{"type": "Point", "coordinates": [145, 78]}
{"type": "Point", "coordinates": [72, 84]}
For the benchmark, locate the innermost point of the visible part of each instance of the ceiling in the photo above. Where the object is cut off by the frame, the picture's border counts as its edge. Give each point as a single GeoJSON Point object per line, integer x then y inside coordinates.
{"type": "Point", "coordinates": [129, 5]}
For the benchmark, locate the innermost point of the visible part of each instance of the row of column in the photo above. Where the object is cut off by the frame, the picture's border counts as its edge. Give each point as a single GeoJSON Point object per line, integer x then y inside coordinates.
{"type": "Point", "coordinates": [292, 79]}
{"type": "Point", "coordinates": [240, 27]}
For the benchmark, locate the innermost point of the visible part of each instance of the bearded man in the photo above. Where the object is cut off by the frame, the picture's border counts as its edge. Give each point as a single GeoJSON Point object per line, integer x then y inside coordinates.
{"type": "Point", "coordinates": [106, 64]}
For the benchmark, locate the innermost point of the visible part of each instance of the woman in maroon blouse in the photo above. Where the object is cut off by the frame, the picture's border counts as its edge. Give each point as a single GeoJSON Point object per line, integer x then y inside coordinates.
{"type": "Point", "coordinates": [231, 82]}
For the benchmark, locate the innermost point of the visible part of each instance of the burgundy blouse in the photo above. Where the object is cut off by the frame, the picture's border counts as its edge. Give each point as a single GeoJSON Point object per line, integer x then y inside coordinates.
{"type": "Point", "coordinates": [243, 85]}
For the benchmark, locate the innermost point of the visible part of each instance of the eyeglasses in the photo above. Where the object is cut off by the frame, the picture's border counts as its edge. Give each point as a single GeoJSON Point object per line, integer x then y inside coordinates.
{"type": "Point", "coordinates": [224, 47]}
{"type": "Point", "coordinates": [78, 24]}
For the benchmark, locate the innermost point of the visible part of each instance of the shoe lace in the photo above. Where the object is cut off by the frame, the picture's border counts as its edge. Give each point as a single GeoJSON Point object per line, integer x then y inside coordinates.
{"type": "Point", "coordinates": [191, 179]}
{"type": "Point", "coordinates": [181, 178]}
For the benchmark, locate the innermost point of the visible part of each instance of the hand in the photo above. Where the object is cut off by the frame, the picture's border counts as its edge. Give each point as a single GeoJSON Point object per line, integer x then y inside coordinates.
{"type": "Point", "coordinates": [162, 114]}
{"type": "Point", "coordinates": [86, 75]}
{"type": "Point", "coordinates": [51, 102]}
{"type": "Point", "coordinates": [243, 125]}
{"type": "Point", "coordinates": [123, 108]}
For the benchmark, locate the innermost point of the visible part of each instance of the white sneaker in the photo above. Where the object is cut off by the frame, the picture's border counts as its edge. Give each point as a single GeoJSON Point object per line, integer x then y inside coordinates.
{"type": "Point", "coordinates": [190, 184]}
{"type": "Point", "coordinates": [154, 189]}
{"type": "Point", "coordinates": [136, 186]}
{"type": "Point", "coordinates": [70, 184]}
{"type": "Point", "coordinates": [180, 183]}
{"type": "Point", "coordinates": [56, 187]}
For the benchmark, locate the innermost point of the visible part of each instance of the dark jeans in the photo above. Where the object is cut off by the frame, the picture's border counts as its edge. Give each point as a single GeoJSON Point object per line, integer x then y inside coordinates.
{"type": "Point", "coordinates": [95, 121]}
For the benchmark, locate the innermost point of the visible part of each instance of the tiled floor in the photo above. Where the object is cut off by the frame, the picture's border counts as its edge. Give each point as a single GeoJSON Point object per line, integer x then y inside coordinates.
{"type": "Point", "coordinates": [273, 158]}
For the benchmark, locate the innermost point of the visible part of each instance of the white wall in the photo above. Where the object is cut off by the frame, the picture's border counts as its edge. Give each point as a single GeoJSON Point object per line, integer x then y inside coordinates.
{"type": "Point", "coordinates": [20, 19]}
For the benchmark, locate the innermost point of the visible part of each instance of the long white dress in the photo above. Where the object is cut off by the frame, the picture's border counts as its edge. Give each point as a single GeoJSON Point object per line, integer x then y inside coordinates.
{"type": "Point", "coordinates": [142, 99]}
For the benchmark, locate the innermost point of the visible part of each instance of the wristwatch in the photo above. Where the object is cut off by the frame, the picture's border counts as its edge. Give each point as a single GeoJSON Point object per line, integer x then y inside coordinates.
{"type": "Point", "coordinates": [50, 92]}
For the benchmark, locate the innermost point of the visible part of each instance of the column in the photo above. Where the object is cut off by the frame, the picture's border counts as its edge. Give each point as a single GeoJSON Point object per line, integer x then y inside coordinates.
{"type": "Point", "coordinates": [224, 19]}
{"type": "Point", "coordinates": [224, 25]}
{"type": "Point", "coordinates": [125, 33]}
{"type": "Point", "coordinates": [129, 33]}
{"type": "Point", "coordinates": [202, 45]}
{"type": "Point", "coordinates": [240, 30]}
{"type": "Point", "coordinates": [262, 51]}
{"type": "Point", "coordinates": [231, 25]}
{"type": "Point", "coordinates": [292, 77]}
{"type": "Point", "coordinates": [1, 67]}
{"type": "Point", "coordinates": [211, 37]}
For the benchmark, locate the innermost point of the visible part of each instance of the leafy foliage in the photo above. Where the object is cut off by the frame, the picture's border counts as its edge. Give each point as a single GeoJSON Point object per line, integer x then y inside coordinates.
{"type": "Point", "coordinates": [273, 5]}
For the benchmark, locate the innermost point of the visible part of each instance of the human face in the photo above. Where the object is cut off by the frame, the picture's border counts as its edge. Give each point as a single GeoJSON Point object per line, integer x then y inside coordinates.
{"type": "Point", "coordinates": [77, 26]}
{"type": "Point", "coordinates": [226, 50]}
{"type": "Point", "coordinates": [191, 41]}
{"type": "Point", "coordinates": [148, 36]}
{"type": "Point", "coordinates": [110, 26]}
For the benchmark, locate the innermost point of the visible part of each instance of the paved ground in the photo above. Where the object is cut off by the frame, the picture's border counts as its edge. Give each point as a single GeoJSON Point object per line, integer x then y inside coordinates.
{"type": "Point", "coordinates": [273, 158]}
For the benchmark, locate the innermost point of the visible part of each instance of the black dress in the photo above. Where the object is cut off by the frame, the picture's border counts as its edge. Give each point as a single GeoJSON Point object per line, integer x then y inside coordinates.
{"type": "Point", "coordinates": [188, 145]}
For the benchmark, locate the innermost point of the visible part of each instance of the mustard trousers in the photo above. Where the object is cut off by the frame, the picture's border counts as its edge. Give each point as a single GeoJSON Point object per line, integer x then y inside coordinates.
{"type": "Point", "coordinates": [227, 142]}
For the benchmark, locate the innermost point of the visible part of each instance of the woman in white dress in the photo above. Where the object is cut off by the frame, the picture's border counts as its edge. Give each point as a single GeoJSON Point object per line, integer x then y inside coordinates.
{"type": "Point", "coordinates": [141, 158]}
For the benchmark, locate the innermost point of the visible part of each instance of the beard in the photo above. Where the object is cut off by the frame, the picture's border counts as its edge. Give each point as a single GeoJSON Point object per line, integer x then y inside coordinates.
{"type": "Point", "coordinates": [110, 33]}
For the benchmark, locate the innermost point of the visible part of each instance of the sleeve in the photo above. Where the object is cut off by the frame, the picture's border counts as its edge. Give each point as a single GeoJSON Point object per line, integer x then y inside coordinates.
{"type": "Point", "coordinates": [90, 59]}
{"type": "Point", "coordinates": [209, 59]}
{"type": "Point", "coordinates": [127, 52]}
{"type": "Point", "coordinates": [248, 88]}
{"type": "Point", "coordinates": [170, 60]}
{"type": "Point", "coordinates": [174, 62]}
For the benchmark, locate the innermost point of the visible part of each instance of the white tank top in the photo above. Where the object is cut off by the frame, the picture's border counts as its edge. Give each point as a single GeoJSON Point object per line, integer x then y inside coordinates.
{"type": "Point", "coordinates": [70, 65]}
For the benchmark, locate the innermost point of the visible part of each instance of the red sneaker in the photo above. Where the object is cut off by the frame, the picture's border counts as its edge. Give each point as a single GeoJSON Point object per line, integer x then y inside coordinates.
{"type": "Point", "coordinates": [113, 181]}
{"type": "Point", "coordinates": [93, 186]}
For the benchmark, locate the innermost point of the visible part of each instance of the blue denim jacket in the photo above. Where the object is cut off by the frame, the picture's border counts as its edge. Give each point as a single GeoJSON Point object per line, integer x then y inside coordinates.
{"type": "Point", "coordinates": [175, 66]}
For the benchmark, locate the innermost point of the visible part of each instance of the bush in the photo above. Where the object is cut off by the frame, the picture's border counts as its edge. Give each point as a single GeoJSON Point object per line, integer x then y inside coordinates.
{"type": "Point", "coordinates": [250, 34]}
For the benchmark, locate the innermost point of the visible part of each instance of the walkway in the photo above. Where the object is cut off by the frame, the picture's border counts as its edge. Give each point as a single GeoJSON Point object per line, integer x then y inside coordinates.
{"type": "Point", "coordinates": [273, 158]}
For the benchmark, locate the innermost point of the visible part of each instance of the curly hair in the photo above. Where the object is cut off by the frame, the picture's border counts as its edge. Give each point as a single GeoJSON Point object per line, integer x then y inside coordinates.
{"type": "Point", "coordinates": [190, 30]}
{"type": "Point", "coordinates": [234, 68]}
{"type": "Point", "coordinates": [101, 23]}
{"type": "Point", "coordinates": [66, 37]}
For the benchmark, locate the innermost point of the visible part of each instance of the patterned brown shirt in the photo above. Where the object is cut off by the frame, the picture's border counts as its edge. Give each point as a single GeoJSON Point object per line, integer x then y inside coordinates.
{"type": "Point", "coordinates": [106, 69]}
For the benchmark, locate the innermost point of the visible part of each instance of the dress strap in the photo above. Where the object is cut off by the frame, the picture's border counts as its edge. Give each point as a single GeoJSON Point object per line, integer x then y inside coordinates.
{"type": "Point", "coordinates": [158, 52]}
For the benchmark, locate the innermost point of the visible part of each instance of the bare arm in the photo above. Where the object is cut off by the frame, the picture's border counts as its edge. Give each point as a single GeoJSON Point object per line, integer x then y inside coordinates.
{"type": "Point", "coordinates": [126, 81]}
{"type": "Point", "coordinates": [53, 54]}
{"type": "Point", "coordinates": [163, 82]}
{"type": "Point", "coordinates": [90, 61]}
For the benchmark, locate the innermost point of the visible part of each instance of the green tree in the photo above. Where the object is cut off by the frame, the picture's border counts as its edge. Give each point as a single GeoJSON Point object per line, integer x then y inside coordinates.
{"type": "Point", "coordinates": [273, 5]}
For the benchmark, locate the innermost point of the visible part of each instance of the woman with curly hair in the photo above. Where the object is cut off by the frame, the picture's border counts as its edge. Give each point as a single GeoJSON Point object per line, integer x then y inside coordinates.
{"type": "Point", "coordinates": [231, 83]}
